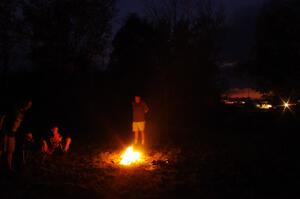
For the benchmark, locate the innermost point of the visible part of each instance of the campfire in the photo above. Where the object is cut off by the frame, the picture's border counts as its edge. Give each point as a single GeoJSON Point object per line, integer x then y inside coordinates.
{"type": "Point", "coordinates": [130, 156]}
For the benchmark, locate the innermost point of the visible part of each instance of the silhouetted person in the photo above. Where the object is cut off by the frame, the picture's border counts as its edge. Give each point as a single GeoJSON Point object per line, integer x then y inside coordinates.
{"type": "Point", "coordinates": [139, 109]}
{"type": "Point", "coordinates": [29, 147]}
{"type": "Point", "coordinates": [56, 144]}
{"type": "Point", "coordinates": [2, 117]}
{"type": "Point", "coordinates": [12, 123]}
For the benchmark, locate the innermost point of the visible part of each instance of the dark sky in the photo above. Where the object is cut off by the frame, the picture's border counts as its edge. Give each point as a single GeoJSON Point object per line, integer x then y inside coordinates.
{"type": "Point", "coordinates": [127, 6]}
{"type": "Point", "coordinates": [240, 14]}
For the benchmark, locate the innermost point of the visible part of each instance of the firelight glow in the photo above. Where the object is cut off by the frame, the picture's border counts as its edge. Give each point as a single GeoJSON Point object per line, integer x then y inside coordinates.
{"type": "Point", "coordinates": [130, 157]}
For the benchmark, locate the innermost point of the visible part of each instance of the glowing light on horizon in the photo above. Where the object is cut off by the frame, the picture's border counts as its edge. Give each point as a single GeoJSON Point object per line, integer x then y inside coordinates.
{"type": "Point", "coordinates": [286, 105]}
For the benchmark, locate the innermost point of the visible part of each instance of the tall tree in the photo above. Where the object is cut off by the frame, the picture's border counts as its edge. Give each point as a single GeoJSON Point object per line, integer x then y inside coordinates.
{"type": "Point", "coordinates": [133, 48]}
{"type": "Point", "coordinates": [278, 46]}
{"type": "Point", "coordinates": [68, 35]}
{"type": "Point", "coordinates": [176, 46]}
{"type": "Point", "coordinates": [191, 29]}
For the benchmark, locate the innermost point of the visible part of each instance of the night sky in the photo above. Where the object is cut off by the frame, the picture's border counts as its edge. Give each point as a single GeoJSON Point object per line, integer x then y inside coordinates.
{"type": "Point", "coordinates": [240, 15]}
{"type": "Point", "coordinates": [232, 6]}
{"type": "Point", "coordinates": [238, 41]}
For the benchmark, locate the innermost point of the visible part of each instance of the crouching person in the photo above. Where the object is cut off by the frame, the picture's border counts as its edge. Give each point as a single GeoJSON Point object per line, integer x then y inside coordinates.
{"type": "Point", "coordinates": [56, 144]}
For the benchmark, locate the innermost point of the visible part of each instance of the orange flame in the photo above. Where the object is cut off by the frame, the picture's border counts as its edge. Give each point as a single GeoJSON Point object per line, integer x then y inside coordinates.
{"type": "Point", "coordinates": [130, 157]}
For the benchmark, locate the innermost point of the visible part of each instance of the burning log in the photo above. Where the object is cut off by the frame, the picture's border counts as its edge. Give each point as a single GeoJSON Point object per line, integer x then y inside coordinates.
{"type": "Point", "coordinates": [133, 157]}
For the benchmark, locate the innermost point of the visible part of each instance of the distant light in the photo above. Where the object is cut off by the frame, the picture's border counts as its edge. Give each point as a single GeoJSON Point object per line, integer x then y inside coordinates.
{"type": "Point", "coordinates": [286, 105]}
{"type": "Point", "coordinates": [264, 106]}
{"type": "Point", "coordinates": [267, 106]}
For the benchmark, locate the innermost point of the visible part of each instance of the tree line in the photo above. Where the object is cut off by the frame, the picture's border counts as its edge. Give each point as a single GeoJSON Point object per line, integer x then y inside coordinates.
{"type": "Point", "coordinates": [169, 54]}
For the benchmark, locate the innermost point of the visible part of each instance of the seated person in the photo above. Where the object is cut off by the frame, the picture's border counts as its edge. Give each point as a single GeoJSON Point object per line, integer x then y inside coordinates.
{"type": "Point", "coordinates": [57, 144]}
{"type": "Point", "coordinates": [29, 143]}
{"type": "Point", "coordinates": [28, 147]}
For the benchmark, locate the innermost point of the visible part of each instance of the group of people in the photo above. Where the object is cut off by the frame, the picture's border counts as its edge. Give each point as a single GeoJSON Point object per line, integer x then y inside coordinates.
{"type": "Point", "coordinates": [10, 123]}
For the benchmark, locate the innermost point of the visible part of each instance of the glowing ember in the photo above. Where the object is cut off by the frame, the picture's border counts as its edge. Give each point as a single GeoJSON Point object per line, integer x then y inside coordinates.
{"type": "Point", "coordinates": [130, 156]}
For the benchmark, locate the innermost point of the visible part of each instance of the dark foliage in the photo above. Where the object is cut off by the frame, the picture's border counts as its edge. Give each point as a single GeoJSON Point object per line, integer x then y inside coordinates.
{"type": "Point", "coordinates": [172, 57]}
{"type": "Point", "coordinates": [68, 36]}
{"type": "Point", "coordinates": [278, 46]}
{"type": "Point", "coordinates": [171, 63]}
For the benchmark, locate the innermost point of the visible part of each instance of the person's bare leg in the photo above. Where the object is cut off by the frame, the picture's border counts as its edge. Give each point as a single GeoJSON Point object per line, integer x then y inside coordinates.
{"type": "Point", "coordinates": [3, 141]}
{"type": "Point", "coordinates": [136, 137]}
{"type": "Point", "coordinates": [10, 152]}
{"type": "Point", "coordinates": [45, 148]}
{"type": "Point", "coordinates": [67, 145]}
{"type": "Point", "coordinates": [9, 160]}
{"type": "Point", "coordinates": [143, 137]}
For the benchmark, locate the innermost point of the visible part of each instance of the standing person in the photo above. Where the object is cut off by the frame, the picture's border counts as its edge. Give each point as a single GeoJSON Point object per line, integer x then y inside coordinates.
{"type": "Point", "coordinates": [139, 109]}
{"type": "Point", "coordinates": [11, 126]}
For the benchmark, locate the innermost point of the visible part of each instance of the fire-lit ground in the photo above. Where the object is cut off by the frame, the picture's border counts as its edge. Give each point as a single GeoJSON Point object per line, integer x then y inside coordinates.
{"type": "Point", "coordinates": [137, 158]}
{"type": "Point", "coordinates": [245, 162]}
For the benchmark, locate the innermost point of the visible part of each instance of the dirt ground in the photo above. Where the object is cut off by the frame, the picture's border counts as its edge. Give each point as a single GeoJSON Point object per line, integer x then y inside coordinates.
{"type": "Point", "coordinates": [258, 158]}
{"type": "Point", "coordinates": [219, 165]}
